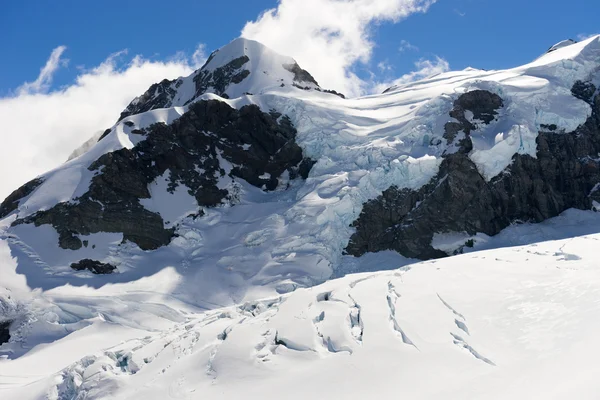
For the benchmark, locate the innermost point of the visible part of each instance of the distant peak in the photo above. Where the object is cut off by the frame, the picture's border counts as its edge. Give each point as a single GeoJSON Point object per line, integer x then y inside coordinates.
{"type": "Point", "coordinates": [561, 44]}
{"type": "Point", "coordinates": [241, 47]}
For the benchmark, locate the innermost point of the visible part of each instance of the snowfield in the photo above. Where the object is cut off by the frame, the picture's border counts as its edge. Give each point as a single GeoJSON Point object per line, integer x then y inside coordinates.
{"type": "Point", "coordinates": [255, 299]}
{"type": "Point", "coordinates": [518, 322]}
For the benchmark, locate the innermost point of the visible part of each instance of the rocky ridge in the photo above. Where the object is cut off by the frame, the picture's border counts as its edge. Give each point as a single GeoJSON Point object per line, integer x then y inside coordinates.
{"type": "Point", "coordinates": [255, 146]}
{"type": "Point", "coordinates": [565, 174]}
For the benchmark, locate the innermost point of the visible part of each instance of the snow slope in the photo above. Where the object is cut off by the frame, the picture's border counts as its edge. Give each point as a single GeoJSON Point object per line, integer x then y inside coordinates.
{"type": "Point", "coordinates": [239, 306]}
{"type": "Point", "coordinates": [516, 322]}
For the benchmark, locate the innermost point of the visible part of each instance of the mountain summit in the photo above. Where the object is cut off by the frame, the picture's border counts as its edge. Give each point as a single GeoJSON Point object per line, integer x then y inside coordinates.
{"type": "Point", "coordinates": [243, 67]}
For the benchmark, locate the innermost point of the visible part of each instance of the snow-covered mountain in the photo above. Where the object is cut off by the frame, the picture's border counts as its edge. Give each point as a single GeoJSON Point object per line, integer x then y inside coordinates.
{"type": "Point", "coordinates": [140, 268]}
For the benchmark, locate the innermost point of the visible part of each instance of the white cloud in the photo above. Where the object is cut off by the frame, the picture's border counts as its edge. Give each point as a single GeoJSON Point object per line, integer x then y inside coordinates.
{"type": "Point", "coordinates": [328, 37]}
{"type": "Point", "coordinates": [405, 45]}
{"type": "Point", "coordinates": [40, 128]}
{"type": "Point", "coordinates": [384, 66]}
{"type": "Point", "coordinates": [424, 68]}
{"type": "Point", "coordinates": [584, 36]}
{"type": "Point", "coordinates": [199, 57]}
{"type": "Point", "coordinates": [44, 79]}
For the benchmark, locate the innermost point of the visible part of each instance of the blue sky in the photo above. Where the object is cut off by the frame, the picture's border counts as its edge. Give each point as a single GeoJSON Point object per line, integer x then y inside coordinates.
{"type": "Point", "coordinates": [480, 33]}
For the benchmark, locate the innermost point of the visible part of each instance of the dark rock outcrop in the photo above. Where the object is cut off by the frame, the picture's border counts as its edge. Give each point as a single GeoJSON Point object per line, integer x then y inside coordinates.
{"type": "Point", "coordinates": [104, 134]}
{"type": "Point", "coordinates": [196, 149]}
{"type": "Point", "coordinates": [220, 78]}
{"type": "Point", "coordinates": [159, 95]}
{"type": "Point", "coordinates": [11, 203]}
{"type": "Point", "coordinates": [4, 332]}
{"type": "Point", "coordinates": [338, 94]}
{"type": "Point", "coordinates": [565, 174]}
{"type": "Point", "coordinates": [482, 104]}
{"type": "Point", "coordinates": [584, 91]}
{"type": "Point", "coordinates": [95, 267]}
{"type": "Point", "coordinates": [300, 75]}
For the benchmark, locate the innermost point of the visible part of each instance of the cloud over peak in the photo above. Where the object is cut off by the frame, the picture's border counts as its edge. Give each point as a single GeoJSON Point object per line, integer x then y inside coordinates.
{"type": "Point", "coordinates": [41, 126]}
{"type": "Point", "coordinates": [329, 37]}
{"type": "Point", "coordinates": [44, 79]}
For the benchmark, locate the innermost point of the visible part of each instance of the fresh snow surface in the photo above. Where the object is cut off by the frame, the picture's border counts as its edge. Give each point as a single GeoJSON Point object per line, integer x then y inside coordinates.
{"type": "Point", "coordinates": [236, 307]}
{"type": "Point", "coordinates": [172, 207]}
{"type": "Point", "coordinates": [518, 322]}
{"type": "Point", "coordinates": [561, 44]}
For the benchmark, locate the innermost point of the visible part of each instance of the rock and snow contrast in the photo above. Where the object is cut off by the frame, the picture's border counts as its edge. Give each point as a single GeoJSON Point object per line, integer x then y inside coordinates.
{"type": "Point", "coordinates": [243, 230]}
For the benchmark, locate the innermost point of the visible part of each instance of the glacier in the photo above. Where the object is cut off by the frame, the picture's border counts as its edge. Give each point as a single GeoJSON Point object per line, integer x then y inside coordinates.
{"type": "Point", "coordinates": [242, 304]}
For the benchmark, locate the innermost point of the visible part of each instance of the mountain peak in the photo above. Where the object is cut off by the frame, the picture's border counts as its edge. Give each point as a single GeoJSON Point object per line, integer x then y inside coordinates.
{"type": "Point", "coordinates": [242, 67]}
{"type": "Point", "coordinates": [561, 44]}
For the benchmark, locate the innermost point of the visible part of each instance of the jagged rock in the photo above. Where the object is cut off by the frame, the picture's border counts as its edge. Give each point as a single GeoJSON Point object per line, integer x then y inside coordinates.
{"type": "Point", "coordinates": [549, 127]}
{"type": "Point", "coordinates": [157, 96]}
{"type": "Point", "coordinates": [4, 332]}
{"type": "Point", "coordinates": [160, 95]}
{"type": "Point", "coordinates": [564, 175]}
{"type": "Point", "coordinates": [95, 267]}
{"type": "Point", "coordinates": [104, 134]}
{"type": "Point", "coordinates": [221, 77]}
{"type": "Point", "coordinates": [482, 104]}
{"type": "Point", "coordinates": [561, 44]}
{"type": "Point", "coordinates": [11, 203]}
{"type": "Point", "coordinates": [338, 94]}
{"type": "Point", "coordinates": [584, 91]}
{"type": "Point", "coordinates": [300, 75]}
{"type": "Point", "coordinates": [257, 146]}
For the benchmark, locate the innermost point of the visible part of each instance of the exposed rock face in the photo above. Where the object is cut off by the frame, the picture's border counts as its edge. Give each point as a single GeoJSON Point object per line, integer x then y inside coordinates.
{"type": "Point", "coordinates": [482, 104]}
{"type": "Point", "coordinates": [196, 150]}
{"type": "Point", "coordinates": [11, 203]}
{"type": "Point", "coordinates": [300, 75]}
{"type": "Point", "coordinates": [564, 175]}
{"type": "Point", "coordinates": [95, 267]}
{"type": "Point", "coordinates": [4, 332]}
{"type": "Point", "coordinates": [584, 91]}
{"type": "Point", "coordinates": [303, 77]}
{"type": "Point", "coordinates": [221, 77]}
{"type": "Point", "coordinates": [159, 95]}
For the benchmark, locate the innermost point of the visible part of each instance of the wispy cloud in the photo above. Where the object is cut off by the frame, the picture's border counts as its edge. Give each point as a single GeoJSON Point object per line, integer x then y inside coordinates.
{"type": "Point", "coordinates": [459, 12]}
{"type": "Point", "coordinates": [405, 45]}
{"type": "Point", "coordinates": [584, 36]}
{"type": "Point", "coordinates": [329, 37]}
{"type": "Point", "coordinates": [384, 66]}
{"type": "Point", "coordinates": [44, 79]}
{"type": "Point", "coordinates": [423, 68]}
{"type": "Point", "coordinates": [199, 56]}
{"type": "Point", "coordinates": [42, 126]}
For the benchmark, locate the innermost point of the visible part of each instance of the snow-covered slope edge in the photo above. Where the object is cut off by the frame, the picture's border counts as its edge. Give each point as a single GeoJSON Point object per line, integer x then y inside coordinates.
{"type": "Point", "coordinates": [506, 323]}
